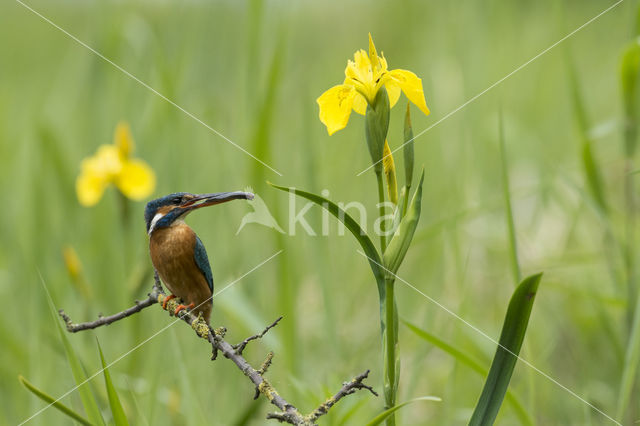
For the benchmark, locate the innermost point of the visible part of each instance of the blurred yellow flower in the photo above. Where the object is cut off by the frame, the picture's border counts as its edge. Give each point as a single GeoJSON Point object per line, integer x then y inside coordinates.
{"type": "Point", "coordinates": [365, 75]}
{"type": "Point", "coordinates": [113, 164]}
{"type": "Point", "coordinates": [74, 268]}
{"type": "Point", "coordinates": [72, 262]}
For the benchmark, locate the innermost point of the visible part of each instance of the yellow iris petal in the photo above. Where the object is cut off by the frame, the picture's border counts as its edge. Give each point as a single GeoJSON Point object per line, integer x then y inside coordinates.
{"type": "Point", "coordinates": [373, 55]}
{"type": "Point", "coordinates": [112, 164]}
{"type": "Point", "coordinates": [410, 84]}
{"type": "Point", "coordinates": [90, 187]}
{"type": "Point", "coordinates": [393, 90]}
{"type": "Point", "coordinates": [360, 68]}
{"type": "Point", "coordinates": [107, 162]}
{"type": "Point", "coordinates": [364, 76]}
{"type": "Point", "coordinates": [383, 63]}
{"type": "Point", "coordinates": [97, 172]}
{"type": "Point", "coordinates": [359, 104]}
{"type": "Point", "coordinates": [136, 180]}
{"type": "Point", "coordinates": [123, 140]}
{"type": "Point", "coordinates": [335, 107]}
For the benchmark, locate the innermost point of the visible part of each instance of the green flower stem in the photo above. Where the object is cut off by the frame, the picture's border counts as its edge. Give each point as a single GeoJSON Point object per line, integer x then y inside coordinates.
{"type": "Point", "coordinates": [126, 236]}
{"type": "Point", "coordinates": [383, 238]}
{"type": "Point", "coordinates": [125, 211]}
{"type": "Point", "coordinates": [390, 342]}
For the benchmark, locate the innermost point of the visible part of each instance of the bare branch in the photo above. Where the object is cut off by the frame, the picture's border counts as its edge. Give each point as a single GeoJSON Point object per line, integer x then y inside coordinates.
{"type": "Point", "coordinates": [347, 389]}
{"type": "Point", "coordinates": [152, 299]}
{"type": "Point", "coordinates": [240, 346]}
{"type": "Point", "coordinates": [139, 305]}
{"type": "Point", "coordinates": [289, 413]}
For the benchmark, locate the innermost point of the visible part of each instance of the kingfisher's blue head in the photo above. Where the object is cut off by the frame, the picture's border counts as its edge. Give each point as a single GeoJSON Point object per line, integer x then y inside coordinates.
{"type": "Point", "coordinates": [163, 212]}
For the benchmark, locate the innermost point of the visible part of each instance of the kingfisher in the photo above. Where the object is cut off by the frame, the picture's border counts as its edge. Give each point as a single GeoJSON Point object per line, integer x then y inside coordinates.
{"type": "Point", "coordinates": [176, 251]}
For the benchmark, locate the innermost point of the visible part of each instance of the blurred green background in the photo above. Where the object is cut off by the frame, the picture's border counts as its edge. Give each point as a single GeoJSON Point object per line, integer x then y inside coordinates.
{"type": "Point", "coordinates": [252, 70]}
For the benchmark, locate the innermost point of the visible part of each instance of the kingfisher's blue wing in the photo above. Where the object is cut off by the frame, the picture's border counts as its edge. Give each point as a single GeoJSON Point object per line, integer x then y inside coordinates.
{"type": "Point", "coordinates": [202, 260]}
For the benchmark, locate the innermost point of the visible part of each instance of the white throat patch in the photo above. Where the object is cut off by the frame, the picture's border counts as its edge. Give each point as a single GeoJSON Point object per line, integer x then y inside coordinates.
{"type": "Point", "coordinates": [154, 221]}
{"type": "Point", "coordinates": [158, 216]}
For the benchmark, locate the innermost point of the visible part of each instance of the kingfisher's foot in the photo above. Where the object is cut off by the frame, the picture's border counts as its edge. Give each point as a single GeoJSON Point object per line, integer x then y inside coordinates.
{"type": "Point", "coordinates": [181, 307]}
{"type": "Point", "coordinates": [166, 300]}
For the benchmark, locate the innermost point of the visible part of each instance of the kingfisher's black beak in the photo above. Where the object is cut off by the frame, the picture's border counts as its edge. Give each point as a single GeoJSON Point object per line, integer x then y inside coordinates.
{"type": "Point", "coordinates": [204, 200]}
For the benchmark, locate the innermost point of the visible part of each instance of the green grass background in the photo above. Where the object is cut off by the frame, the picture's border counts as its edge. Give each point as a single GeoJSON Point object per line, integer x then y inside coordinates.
{"type": "Point", "coordinates": [252, 70]}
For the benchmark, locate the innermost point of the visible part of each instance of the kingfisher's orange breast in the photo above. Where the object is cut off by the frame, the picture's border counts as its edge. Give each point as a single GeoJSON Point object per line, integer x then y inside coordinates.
{"type": "Point", "coordinates": [172, 254]}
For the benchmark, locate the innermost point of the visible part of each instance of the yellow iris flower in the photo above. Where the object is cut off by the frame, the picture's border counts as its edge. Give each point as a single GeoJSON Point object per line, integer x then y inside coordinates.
{"type": "Point", "coordinates": [113, 164]}
{"type": "Point", "coordinates": [365, 75]}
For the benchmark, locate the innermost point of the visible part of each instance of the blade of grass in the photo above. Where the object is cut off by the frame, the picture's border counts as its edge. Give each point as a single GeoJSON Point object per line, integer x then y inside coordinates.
{"type": "Point", "coordinates": [114, 401]}
{"type": "Point", "coordinates": [513, 240]}
{"type": "Point", "coordinates": [504, 361]}
{"type": "Point", "coordinates": [315, 180]}
{"type": "Point", "coordinates": [631, 361]}
{"type": "Point", "coordinates": [475, 365]}
{"type": "Point", "coordinates": [629, 70]}
{"type": "Point", "coordinates": [386, 413]}
{"type": "Point", "coordinates": [141, 418]}
{"type": "Point", "coordinates": [51, 400]}
{"type": "Point", "coordinates": [591, 169]}
{"type": "Point", "coordinates": [57, 158]}
{"type": "Point", "coordinates": [262, 147]}
{"type": "Point", "coordinates": [352, 226]}
{"type": "Point", "coordinates": [513, 245]}
{"type": "Point", "coordinates": [190, 401]}
{"type": "Point", "coordinates": [87, 397]}
{"type": "Point", "coordinates": [261, 133]}
{"type": "Point", "coordinates": [255, 12]}
{"type": "Point", "coordinates": [630, 79]}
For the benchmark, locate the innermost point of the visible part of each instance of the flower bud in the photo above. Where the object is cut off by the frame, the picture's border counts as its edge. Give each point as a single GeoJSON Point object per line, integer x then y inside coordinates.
{"type": "Point", "coordinates": [376, 125]}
